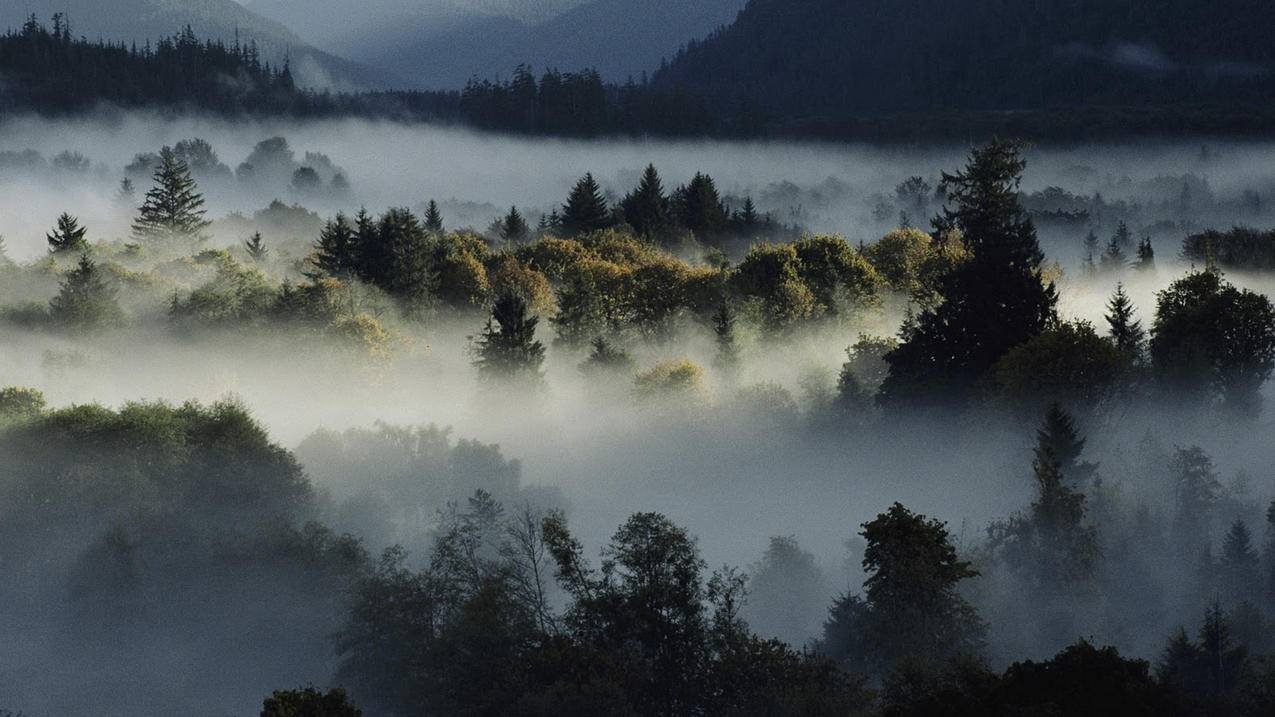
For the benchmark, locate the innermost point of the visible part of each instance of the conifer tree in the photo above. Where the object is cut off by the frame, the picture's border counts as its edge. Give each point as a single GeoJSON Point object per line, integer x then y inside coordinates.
{"type": "Point", "coordinates": [1125, 331]}
{"type": "Point", "coordinates": [67, 236]}
{"type": "Point", "coordinates": [85, 300]}
{"type": "Point", "coordinates": [605, 358]}
{"type": "Point", "coordinates": [1058, 440]}
{"type": "Point", "coordinates": [1270, 552]}
{"type": "Point", "coordinates": [256, 247]}
{"type": "Point", "coordinates": [1123, 238]}
{"type": "Point", "coordinates": [1239, 565]}
{"type": "Point", "coordinates": [1146, 255]}
{"type": "Point", "coordinates": [1196, 490]}
{"type": "Point", "coordinates": [433, 218]}
{"type": "Point", "coordinates": [513, 228]}
{"type": "Point", "coordinates": [586, 209]}
{"type": "Point", "coordinates": [173, 208]}
{"type": "Point", "coordinates": [992, 302]}
{"type": "Point", "coordinates": [747, 217]}
{"type": "Point", "coordinates": [408, 268]}
{"type": "Point", "coordinates": [646, 208]}
{"type": "Point", "coordinates": [1091, 252]}
{"type": "Point", "coordinates": [727, 358]}
{"type": "Point", "coordinates": [507, 347]}
{"type": "Point", "coordinates": [1113, 259]}
{"type": "Point", "coordinates": [336, 250]}
{"type": "Point", "coordinates": [699, 207]}
{"type": "Point", "coordinates": [127, 193]}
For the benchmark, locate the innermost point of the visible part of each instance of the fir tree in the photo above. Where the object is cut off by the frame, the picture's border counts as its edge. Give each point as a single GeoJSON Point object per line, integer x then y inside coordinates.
{"type": "Point", "coordinates": [1239, 565]}
{"type": "Point", "coordinates": [256, 247]}
{"type": "Point", "coordinates": [699, 207]}
{"type": "Point", "coordinates": [1146, 255]}
{"type": "Point", "coordinates": [747, 217]}
{"type": "Point", "coordinates": [646, 208]}
{"type": "Point", "coordinates": [1113, 259]}
{"type": "Point", "coordinates": [1196, 492]}
{"type": "Point", "coordinates": [1091, 252]}
{"type": "Point", "coordinates": [1058, 440]}
{"type": "Point", "coordinates": [992, 302]}
{"type": "Point", "coordinates": [67, 236]}
{"type": "Point", "coordinates": [173, 208]}
{"type": "Point", "coordinates": [605, 358]}
{"type": "Point", "coordinates": [513, 228]}
{"type": "Point", "coordinates": [586, 209]}
{"type": "Point", "coordinates": [126, 195]}
{"type": "Point", "coordinates": [1126, 332]}
{"type": "Point", "coordinates": [86, 300]}
{"type": "Point", "coordinates": [336, 250]}
{"type": "Point", "coordinates": [433, 218]}
{"type": "Point", "coordinates": [507, 347]}
{"type": "Point", "coordinates": [1123, 238]}
{"type": "Point", "coordinates": [727, 358]}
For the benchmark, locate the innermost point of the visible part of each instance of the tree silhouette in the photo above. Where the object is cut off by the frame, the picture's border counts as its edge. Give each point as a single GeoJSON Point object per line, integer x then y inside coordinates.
{"type": "Point", "coordinates": [513, 228]}
{"type": "Point", "coordinates": [433, 218]}
{"type": "Point", "coordinates": [67, 236]}
{"type": "Point", "coordinates": [173, 208]}
{"type": "Point", "coordinates": [85, 300]}
{"type": "Point", "coordinates": [1125, 331]}
{"type": "Point", "coordinates": [507, 347]}
{"type": "Point", "coordinates": [586, 209]}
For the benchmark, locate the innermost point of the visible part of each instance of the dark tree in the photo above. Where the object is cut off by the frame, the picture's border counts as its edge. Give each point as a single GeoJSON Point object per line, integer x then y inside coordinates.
{"type": "Point", "coordinates": [994, 301]}
{"type": "Point", "coordinates": [586, 209]}
{"type": "Point", "coordinates": [256, 247]}
{"type": "Point", "coordinates": [699, 208]}
{"type": "Point", "coordinates": [173, 208]}
{"type": "Point", "coordinates": [1239, 565]}
{"type": "Point", "coordinates": [336, 250]}
{"type": "Point", "coordinates": [1196, 491]}
{"type": "Point", "coordinates": [1146, 255]}
{"type": "Point", "coordinates": [1125, 331]}
{"type": "Point", "coordinates": [1113, 259]}
{"type": "Point", "coordinates": [309, 702]}
{"type": "Point", "coordinates": [513, 228]}
{"type": "Point", "coordinates": [86, 300]}
{"type": "Point", "coordinates": [507, 347]}
{"type": "Point", "coordinates": [67, 236]}
{"type": "Point", "coordinates": [1057, 440]}
{"type": "Point", "coordinates": [607, 359]}
{"type": "Point", "coordinates": [1090, 262]}
{"type": "Point", "coordinates": [433, 218]}
{"type": "Point", "coordinates": [646, 208]}
{"type": "Point", "coordinates": [727, 358]}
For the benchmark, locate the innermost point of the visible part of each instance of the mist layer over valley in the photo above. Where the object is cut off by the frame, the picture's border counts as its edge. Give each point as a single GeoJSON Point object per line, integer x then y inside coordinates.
{"type": "Point", "coordinates": [211, 434]}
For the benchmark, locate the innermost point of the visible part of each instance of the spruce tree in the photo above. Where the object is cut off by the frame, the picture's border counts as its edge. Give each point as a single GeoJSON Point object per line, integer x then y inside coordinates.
{"type": "Point", "coordinates": [127, 193]}
{"type": "Point", "coordinates": [408, 265]}
{"type": "Point", "coordinates": [1113, 259]}
{"type": "Point", "coordinates": [507, 347]}
{"type": "Point", "coordinates": [699, 207]}
{"type": "Point", "coordinates": [1058, 440]}
{"type": "Point", "coordinates": [607, 359]}
{"type": "Point", "coordinates": [433, 218]}
{"type": "Point", "coordinates": [336, 250]}
{"type": "Point", "coordinates": [1146, 255]}
{"type": "Point", "coordinates": [1239, 565]}
{"type": "Point", "coordinates": [513, 228]}
{"type": "Point", "coordinates": [1090, 264]}
{"type": "Point", "coordinates": [256, 247]}
{"type": "Point", "coordinates": [67, 236]}
{"type": "Point", "coordinates": [992, 302]}
{"type": "Point", "coordinates": [1126, 332]}
{"type": "Point", "coordinates": [727, 358]}
{"type": "Point", "coordinates": [173, 208]}
{"type": "Point", "coordinates": [1123, 238]}
{"type": "Point", "coordinates": [85, 300]}
{"type": "Point", "coordinates": [747, 217]}
{"type": "Point", "coordinates": [646, 208]}
{"type": "Point", "coordinates": [586, 209]}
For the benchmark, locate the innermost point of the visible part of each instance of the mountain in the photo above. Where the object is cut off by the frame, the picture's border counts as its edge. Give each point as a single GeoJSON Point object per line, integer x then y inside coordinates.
{"type": "Point", "coordinates": [443, 45]}
{"type": "Point", "coordinates": [825, 60]}
{"type": "Point", "coordinates": [142, 20]}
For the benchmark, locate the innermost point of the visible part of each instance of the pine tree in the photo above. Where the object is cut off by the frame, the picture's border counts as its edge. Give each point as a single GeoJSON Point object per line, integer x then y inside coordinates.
{"type": "Point", "coordinates": [256, 247]}
{"type": "Point", "coordinates": [513, 228]}
{"type": "Point", "coordinates": [1270, 552]}
{"type": "Point", "coordinates": [1146, 255]}
{"type": "Point", "coordinates": [173, 208]}
{"type": "Point", "coordinates": [1239, 565]}
{"type": "Point", "coordinates": [1196, 492]}
{"type": "Point", "coordinates": [1123, 238]}
{"type": "Point", "coordinates": [605, 358]}
{"type": "Point", "coordinates": [699, 208]}
{"type": "Point", "coordinates": [507, 347]}
{"type": "Point", "coordinates": [747, 217]}
{"type": "Point", "coordinates": [433, 218]}
{"type": "Point", "coordinates": [994, 301]}
{"type": "Point", "coordinates": [409, 269]}
{"type": "Point", "coordinates": [127, 193]}
{"type": "Point", "coordinates": [1058, 440]}
{"type": "Point", "coordinates": [586, 209]}
{"type": "Point", "coordinates": [646, 208]}
{"type": "Point", "coordinates": [1126, 332]}
{"type": "Point", "coordinates": [1114, 258]}
{"type": "Point", "coordinates": [1091, 252]}
{"type": "Point", "coordinates": [336, 250]}
{"type": "Point", "coordinates": [727, 358]}
{"type": "Point", "coordinates": [67, 236]}
{"type": "Point", "coordinates": [86, 300]}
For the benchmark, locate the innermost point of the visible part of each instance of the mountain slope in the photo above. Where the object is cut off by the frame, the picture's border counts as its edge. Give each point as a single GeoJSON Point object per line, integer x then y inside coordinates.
{"type": "Point", "coordinates": [803, 59]}
{"type": "Point", "coordinates": [620, 38]}
{"type": "Point", "coordinates": [142, 20]}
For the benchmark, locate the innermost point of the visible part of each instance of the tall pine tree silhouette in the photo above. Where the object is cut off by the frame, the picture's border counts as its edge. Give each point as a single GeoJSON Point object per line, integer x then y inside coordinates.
{"type": "Point", "coordinates": [994, 301]}
{"type": "Point", "coordinates": [433, 218]}
{"type": "Point", "coordinates": [1126, 332]}
{"type": "Point", "coordinates": [173, 208]}
{"type": "Point", "coordinates": [586, 209]}
{"type": "Point", "coordinates": [646, 208]}
{"type": "Point", "coordinates": [68, 235]}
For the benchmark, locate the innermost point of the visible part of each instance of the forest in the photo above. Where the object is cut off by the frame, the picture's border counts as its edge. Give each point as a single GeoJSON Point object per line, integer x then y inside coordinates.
{"type": "Point", "coordinates": [659, 442]}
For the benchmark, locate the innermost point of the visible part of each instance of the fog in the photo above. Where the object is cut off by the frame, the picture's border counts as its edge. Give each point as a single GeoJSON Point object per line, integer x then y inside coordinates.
{"type": "Point", "coordinates": [737, 467]}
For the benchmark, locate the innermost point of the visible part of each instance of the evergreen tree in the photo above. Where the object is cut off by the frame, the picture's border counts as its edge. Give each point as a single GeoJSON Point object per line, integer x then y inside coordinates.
{"type": "Point", "coordinates": [699, 208]}
{"type": "Point", "coordinates": [727, 358]}
{"type": "Point", "coordinates": [1090, 264]}
{"type": "Point", "coordinates": [994, 301]}
{"type": "Point", "coordinates": [1239, 565]}
{"type": "Point", "coordinates": [173, 208]}
{"type": "Point", "coordinates": [586, 209]}
{"type": "Point", "coordinates": [1270, 552]}
{"type": "Point", "coordinates": [1113, 259]}
{"type": "Point", "coordinates": [580, 316]}
{"type": "Point", "coordinates": [513, 228]}
{"type": "Point", "coordinates": [127, 193]}
{"type": "Point", "coordinates": [1125, 331]}
{"type": "Point", "coordinates": [256, 247]}
{"type": "Point", "coordinates": [605, 358]}
{"type": "Point", "coordinates": [1057, 440]}
{"type": "Point", "coordinates": [646, 208]}
{"type": "Point", "coordinates": [1122, 240]}
{"type": "Point", "coordinates": [1146, 255]}
{"type": "Point", "coordinates": [1196, 491]}
{"type": "Point", "coordinates": [67, 236]}
{"type": "Point", "coordinates": [507, 347]}
{"type": "Point", "coordinates": [336, 250]}
{"type": "Point", "coordinates": [433, 218]}
{"type": "Point", "coordinates": [747, 217]}
{"type": "Point", "coordinates": [406, 267]}
{"type": "Point", "coordinates": [86, 300]}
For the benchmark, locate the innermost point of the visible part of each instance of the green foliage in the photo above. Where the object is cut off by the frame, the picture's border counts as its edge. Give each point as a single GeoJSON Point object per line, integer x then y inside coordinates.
{"type": "Point", "coordinates": [675, 380]}
{"type": "Point", "coordinates": [507, 348]}
{"type": "Point", "coordinates": [309, 702]}
{"type": "Point", "coordinates": [173, 208]}
{"type": "Point", "coordinates": [85, 301]}
{"type": "Point", "coordinates": [1125, 332]}
{"type": "Point", "coordinates": [433, 218]}
{"type": "Point", "coordinates": [606, 359]}
{"type": "Point", "coordinates": [18, 403]}
{"type": "Point", "coordinates": [647, 209]}
{"type": "Point", "coordinates": [1067, 362]}
{"type": "Point", "coordinates": [256, 247]}
{"type": "Point", "coordinates": [513, 228]}
{"type": "Point", "coordinates": [699, 208]}
{"type": "Point", "coordinates": [586, 209]}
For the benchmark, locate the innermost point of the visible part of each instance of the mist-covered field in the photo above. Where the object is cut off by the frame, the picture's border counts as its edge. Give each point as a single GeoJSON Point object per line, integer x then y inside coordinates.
{"type": "Point", "coordinates": [124, 597]}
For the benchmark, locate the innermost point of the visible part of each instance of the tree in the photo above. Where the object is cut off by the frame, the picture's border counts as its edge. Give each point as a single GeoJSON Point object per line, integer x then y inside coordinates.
{"type": "Point", "coordinates": [1066, 362]}
{"type": "Point", "coordinates": [1113, 259]}
{"type": "Point", "coordinates": [699, 208]}
{"type": "Point", "coordinates": [1239, 566]}
{"type": "Point", "coordinates": [513, 228]}
{"type": "Point", "coordinates": [993, 301]}
{"type": "Point", "coordinates": [173, 208]}
{"type": "Point", "coordinates": [127, 193]}
{"type": "Point", "coordinates": [1146, 255]}
{"type": "Point", "coordinates": [309, 702]}
{"type": "Point", "coordinates": [1125, 332]}
{"type": "Point", "coordinates": [786, 592]}
{"type": "Point", "coordinates": [86, 300]}
{"type": "Point", "coordinates": [336, 250]}
{"type": "Point", "coordinates": [256, 247]}
{"type": "Point", "coordinates": [1058, 440]}
{"type": "Point", "coordinates": [1091, 252]}
{"type": "Point", "coordinates": [607, 359]}
{"type": "Point", "coordinates": [646, 208]}
{"type": "Point", "coordinates": [67, 236]}
{"type": "Point", "coordinates": [507, 347]}
{"type": "Point", "coordinates": [433, 218]}
{"type": "Point", "coordinates": [400, 259]}
{"type": "Point", "coordinates": [727, 358]}
{"type": "Point", "coordinates": [1213, 341]}
{"type": "Point", "coordinates": [1196, 490]}
{"type": "Point", "coordinates": [586, 209]}
{"type": "Point", "coordinates": [910, 608]}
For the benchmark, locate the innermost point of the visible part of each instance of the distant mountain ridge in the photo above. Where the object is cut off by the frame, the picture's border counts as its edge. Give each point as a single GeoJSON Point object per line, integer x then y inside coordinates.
{"type": "Point", "coordinates": [821, 59]}
{"type": "Point", "coordinates": [140, 21]}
